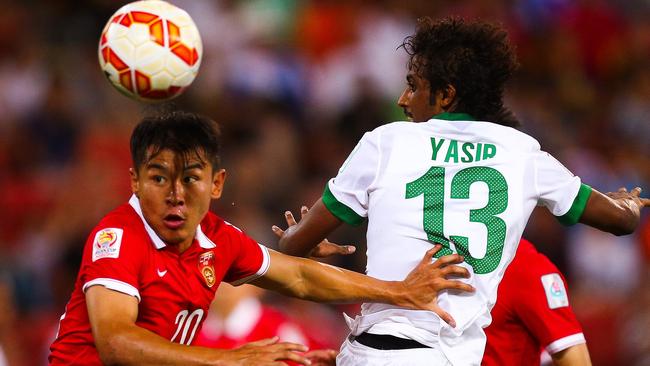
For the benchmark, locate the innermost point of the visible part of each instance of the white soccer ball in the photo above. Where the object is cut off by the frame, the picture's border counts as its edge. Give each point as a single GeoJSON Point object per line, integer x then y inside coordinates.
{"type": "Point", "coordinates": [150, 50]}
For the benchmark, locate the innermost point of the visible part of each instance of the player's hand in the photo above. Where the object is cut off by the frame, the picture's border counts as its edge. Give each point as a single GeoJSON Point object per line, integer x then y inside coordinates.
{"type": "Point", "coordinates": [427, 279]}
{"type": "Point", "coordinates": [325, 248]}
{"type": "Point", "coordinates": [322, 357]}
{"type": "Point", "coordinates": [634, 196]}
{"type": "Point", "coordinates": [267, 352]}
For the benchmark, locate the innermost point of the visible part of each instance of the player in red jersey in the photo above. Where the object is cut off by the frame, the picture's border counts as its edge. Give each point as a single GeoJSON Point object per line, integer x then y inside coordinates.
{"type": "Point", "coordinates": [151, 267]}
{"type": "Point", "coordinates": [238, 316]}
{"type": "Point", "coordinates": [532, 313]}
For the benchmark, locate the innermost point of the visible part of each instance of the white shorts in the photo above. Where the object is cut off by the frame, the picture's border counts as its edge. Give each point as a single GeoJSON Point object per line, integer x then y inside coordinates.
{"type": "Point", "coordinates": [356, 354]}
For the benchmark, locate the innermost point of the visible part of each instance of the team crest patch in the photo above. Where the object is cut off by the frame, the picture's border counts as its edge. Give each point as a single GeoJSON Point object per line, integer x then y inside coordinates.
{"type": "Point", "coordinates": [107, 243]}
{"type": "Point", "coordinates": [206, 267]}
{"type": "Point", "coordinates": [556, 295]}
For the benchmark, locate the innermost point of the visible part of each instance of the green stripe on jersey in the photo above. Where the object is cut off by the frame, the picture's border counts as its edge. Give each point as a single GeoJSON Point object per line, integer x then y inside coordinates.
{"type": "Point", "coordinates": [338, 209]}
{"type": "Point", "coordinates": [450, 116]}
{"type": "Point", "coordinates": [578, 207]}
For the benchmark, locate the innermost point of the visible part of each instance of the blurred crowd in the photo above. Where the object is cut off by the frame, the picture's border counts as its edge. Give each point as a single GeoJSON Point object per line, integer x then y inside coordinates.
{"type": "Point", "coordinates": [294, 84]}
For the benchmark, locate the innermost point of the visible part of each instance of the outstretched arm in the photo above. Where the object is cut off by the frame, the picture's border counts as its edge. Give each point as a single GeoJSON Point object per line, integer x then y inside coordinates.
{"type": "Point", "coordinates": [119, 341]}
{"type": "Point", "coordinates": [311, 280]}
{"type": "Point", "coordinates": [577, 355]}
{"type": "Point", "coordinates": [615, 212]}
{"type": "Point", "coordinates": [301, 238]}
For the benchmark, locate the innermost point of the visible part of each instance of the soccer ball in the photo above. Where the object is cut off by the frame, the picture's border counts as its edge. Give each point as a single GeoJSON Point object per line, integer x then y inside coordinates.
{"type": "Point", "coordinates": [150, 50]}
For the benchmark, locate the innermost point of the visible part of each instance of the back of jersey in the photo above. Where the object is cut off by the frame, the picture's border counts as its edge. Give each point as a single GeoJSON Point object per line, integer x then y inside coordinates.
{"type": "Point", "coordinates": [468, 185]}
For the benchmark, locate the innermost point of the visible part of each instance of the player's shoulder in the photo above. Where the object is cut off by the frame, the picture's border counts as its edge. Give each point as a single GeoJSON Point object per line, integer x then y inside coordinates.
{"type": "Point", "coordinates": [530, 263]}
{"type": "Point", "coordinates": [216, 228]}
{"type": "Point", "coordinates": [507, 135]}
{"type": "Point", "coordinates": [122, 218]}
{"type": "Point", "coordinates": [395, 131]}
{"type": "Point", "coordinates": [119, 231]}
{"type": "Point", "coordinates": [395, 127]}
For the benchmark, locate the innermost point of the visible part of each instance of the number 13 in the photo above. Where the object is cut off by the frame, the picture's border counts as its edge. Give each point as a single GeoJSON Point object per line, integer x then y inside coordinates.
{"type": "Point", "coordinates": [432, 186]}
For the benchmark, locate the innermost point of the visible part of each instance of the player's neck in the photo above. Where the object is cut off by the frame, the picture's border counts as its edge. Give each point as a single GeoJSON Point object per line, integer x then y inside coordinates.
{"type": "Point", "coordinates": [182, 247]}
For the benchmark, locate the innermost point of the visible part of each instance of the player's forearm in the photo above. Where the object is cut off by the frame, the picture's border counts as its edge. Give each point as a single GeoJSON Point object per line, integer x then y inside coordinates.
{"type": "Point", "coordinates": [577, 355]}
{"type": "Point", "coordinates": [325, 283]}
{"type": "Point", "coordinates": [133, 345]}
{"type": "Point", "coordinates": [292, 244]}
{"type": "Point", "coordinates": [619, 216]}
{"type": "Point", "coordinates": [316, 224]}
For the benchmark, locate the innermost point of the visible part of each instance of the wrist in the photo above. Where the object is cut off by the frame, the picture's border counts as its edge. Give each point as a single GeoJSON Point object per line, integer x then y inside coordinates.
{"type": "Point", "coordinates": [397, 293]}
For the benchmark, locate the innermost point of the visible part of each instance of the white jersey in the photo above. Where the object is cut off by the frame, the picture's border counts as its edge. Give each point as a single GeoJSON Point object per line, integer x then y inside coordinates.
{"type": "Point", "coordinates": [468, 185]}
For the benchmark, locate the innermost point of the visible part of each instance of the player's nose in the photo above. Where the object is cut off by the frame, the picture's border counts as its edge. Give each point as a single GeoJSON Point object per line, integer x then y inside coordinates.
{"type": "Point", "coordinates": [403, 99]}
{"type": "Point", "coordinates": [176, 194]}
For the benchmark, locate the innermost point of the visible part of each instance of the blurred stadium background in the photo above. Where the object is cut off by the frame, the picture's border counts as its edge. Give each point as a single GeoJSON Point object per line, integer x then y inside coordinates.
{"type": "Point", "coordinates": [294, 85]}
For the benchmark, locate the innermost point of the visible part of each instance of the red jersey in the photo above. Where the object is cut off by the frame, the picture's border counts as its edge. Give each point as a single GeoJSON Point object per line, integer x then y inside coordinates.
{"type": "Point", "coordinates": [250, 321]}
{"type": "Point", "coordinates": [532, 312]}
{"type": "Point", "coordinates": [174, 289]}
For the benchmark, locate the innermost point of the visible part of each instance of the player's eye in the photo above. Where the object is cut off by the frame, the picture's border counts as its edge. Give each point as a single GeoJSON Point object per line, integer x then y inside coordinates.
{"type": "Point", "coordinates": [190, 179]}
{"type": "Point", "coordinates": [159, 179]}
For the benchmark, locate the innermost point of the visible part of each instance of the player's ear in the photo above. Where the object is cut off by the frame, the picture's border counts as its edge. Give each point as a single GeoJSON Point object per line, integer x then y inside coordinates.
{"type": "Point", "coordinates": [448, 96]}
{"type": "Point", "coordinates": [218, 179]}
{"type": "Point", "coordinates": [135, 184]}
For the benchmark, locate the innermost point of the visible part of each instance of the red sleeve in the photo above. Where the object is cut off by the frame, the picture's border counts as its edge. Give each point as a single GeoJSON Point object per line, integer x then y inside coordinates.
{"type": "Point", "coordinates": [250, 259]}
{"type": "Point", "coordinates": [543, 305]}
{"type": "Point", "coordinates": [112, 258]}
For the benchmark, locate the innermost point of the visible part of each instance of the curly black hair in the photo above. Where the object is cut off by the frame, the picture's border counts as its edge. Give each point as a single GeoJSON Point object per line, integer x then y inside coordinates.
{"type": "Point", "coordinates": [184, 133]}
{"type": "Point", "coordinates": [474, 57]}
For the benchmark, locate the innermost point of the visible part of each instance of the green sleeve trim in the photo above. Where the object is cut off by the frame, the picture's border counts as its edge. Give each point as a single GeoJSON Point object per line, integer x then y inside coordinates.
{"type": "Point", "coordinates": [577, 208]}
{"type": "Point", "coordinates": [341, 211]}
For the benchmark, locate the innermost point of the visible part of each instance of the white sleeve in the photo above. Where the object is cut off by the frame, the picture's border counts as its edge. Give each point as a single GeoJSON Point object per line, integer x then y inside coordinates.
{"type": "Point", "coordinates": [559, 190]}
{"type": "Point", "coordinates": [346, 195]}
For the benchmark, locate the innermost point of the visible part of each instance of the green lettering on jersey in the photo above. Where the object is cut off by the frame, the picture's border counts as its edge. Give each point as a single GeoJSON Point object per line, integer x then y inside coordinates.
{"type": "Point", "coordinates": [489, 152]}
{"type": "Point", "coordinates": [467, 158]}
{"type": "Point", "coordinates": [435, 147]}
{"type": "Point", "coordinates": [497, 203]}
{"type": "Point", "coordinates": [432, 186]}
{"type": "Point", "coordinates": [452, 151]}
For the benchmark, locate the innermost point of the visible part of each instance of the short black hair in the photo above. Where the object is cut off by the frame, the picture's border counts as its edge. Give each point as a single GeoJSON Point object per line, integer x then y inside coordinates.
{"type": "Point", "coordinates": [474, 57]}
{"type": "Point", "coordinates": [181, 132]}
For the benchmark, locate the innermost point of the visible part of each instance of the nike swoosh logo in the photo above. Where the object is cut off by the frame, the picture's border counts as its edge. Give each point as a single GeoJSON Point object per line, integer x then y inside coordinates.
{"type": "Point", "coordinates": [161, 273]}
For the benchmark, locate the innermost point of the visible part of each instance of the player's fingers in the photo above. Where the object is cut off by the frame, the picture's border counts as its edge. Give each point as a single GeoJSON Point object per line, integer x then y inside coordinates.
{"type": "Point", "coordinates": [448, 260]}
{"type": "Point", "coordinates": [289, 217]}
{"type": "Point", "coordinates": [645, 202]}
{"type": "Point", "coordinates": [303, 211]}
{"type": "Point", "coordinates": [456, 285]}
{"type": "Point", "coordinates": [428, 256]}
{"type": "Point", "coordinates": [622, 189]}
{"type": "Point", "coordinates": [277, 231]}
{"type": "Point", "coordinates": [636, 191]}
{"type": "Point", "coordinates": [322, 355]}
{"type": "Point", "coordinates": [290, 346]}
{"type": "Point", "coordinates": [456, 271]}
{"type": "Point", "coordinates": [286, 355]}
{"type": "Point", "coordinates": [326, 249]}
{"type": "Point", "coordinates": [264, 342]}
{"type": "Point", "coordinates": [444, 315]}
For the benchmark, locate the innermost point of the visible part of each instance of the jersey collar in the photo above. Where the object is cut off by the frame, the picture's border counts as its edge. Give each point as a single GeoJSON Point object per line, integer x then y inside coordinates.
{"type": "Point", "coordinates": [203, 240]}
{"type": "Point", "coordinates": [449, 116]}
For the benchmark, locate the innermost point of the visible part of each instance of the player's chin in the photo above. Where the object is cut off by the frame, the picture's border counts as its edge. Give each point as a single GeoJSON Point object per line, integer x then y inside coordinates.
{"type": "Point", "coordinates": [174, 236]}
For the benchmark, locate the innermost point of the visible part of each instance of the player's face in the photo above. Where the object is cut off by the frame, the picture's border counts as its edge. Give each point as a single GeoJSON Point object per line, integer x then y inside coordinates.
{"type": "Point", "coordinates": [175, 193]}
{"type": "Point", "coordinates": [416, 99]}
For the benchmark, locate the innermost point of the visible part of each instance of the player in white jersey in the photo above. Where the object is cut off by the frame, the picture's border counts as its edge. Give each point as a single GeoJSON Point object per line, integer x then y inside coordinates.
{"type": "Point", "coordinates": [462, 177]}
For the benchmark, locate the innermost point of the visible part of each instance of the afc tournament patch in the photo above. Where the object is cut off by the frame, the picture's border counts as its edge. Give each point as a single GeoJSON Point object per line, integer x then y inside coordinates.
{"type": "Point", "coordinates": [107, 243]}
{"type": "Point", "coordinates": [555, 292]}
{"type": "Point", "coordinates": [206, 267]}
